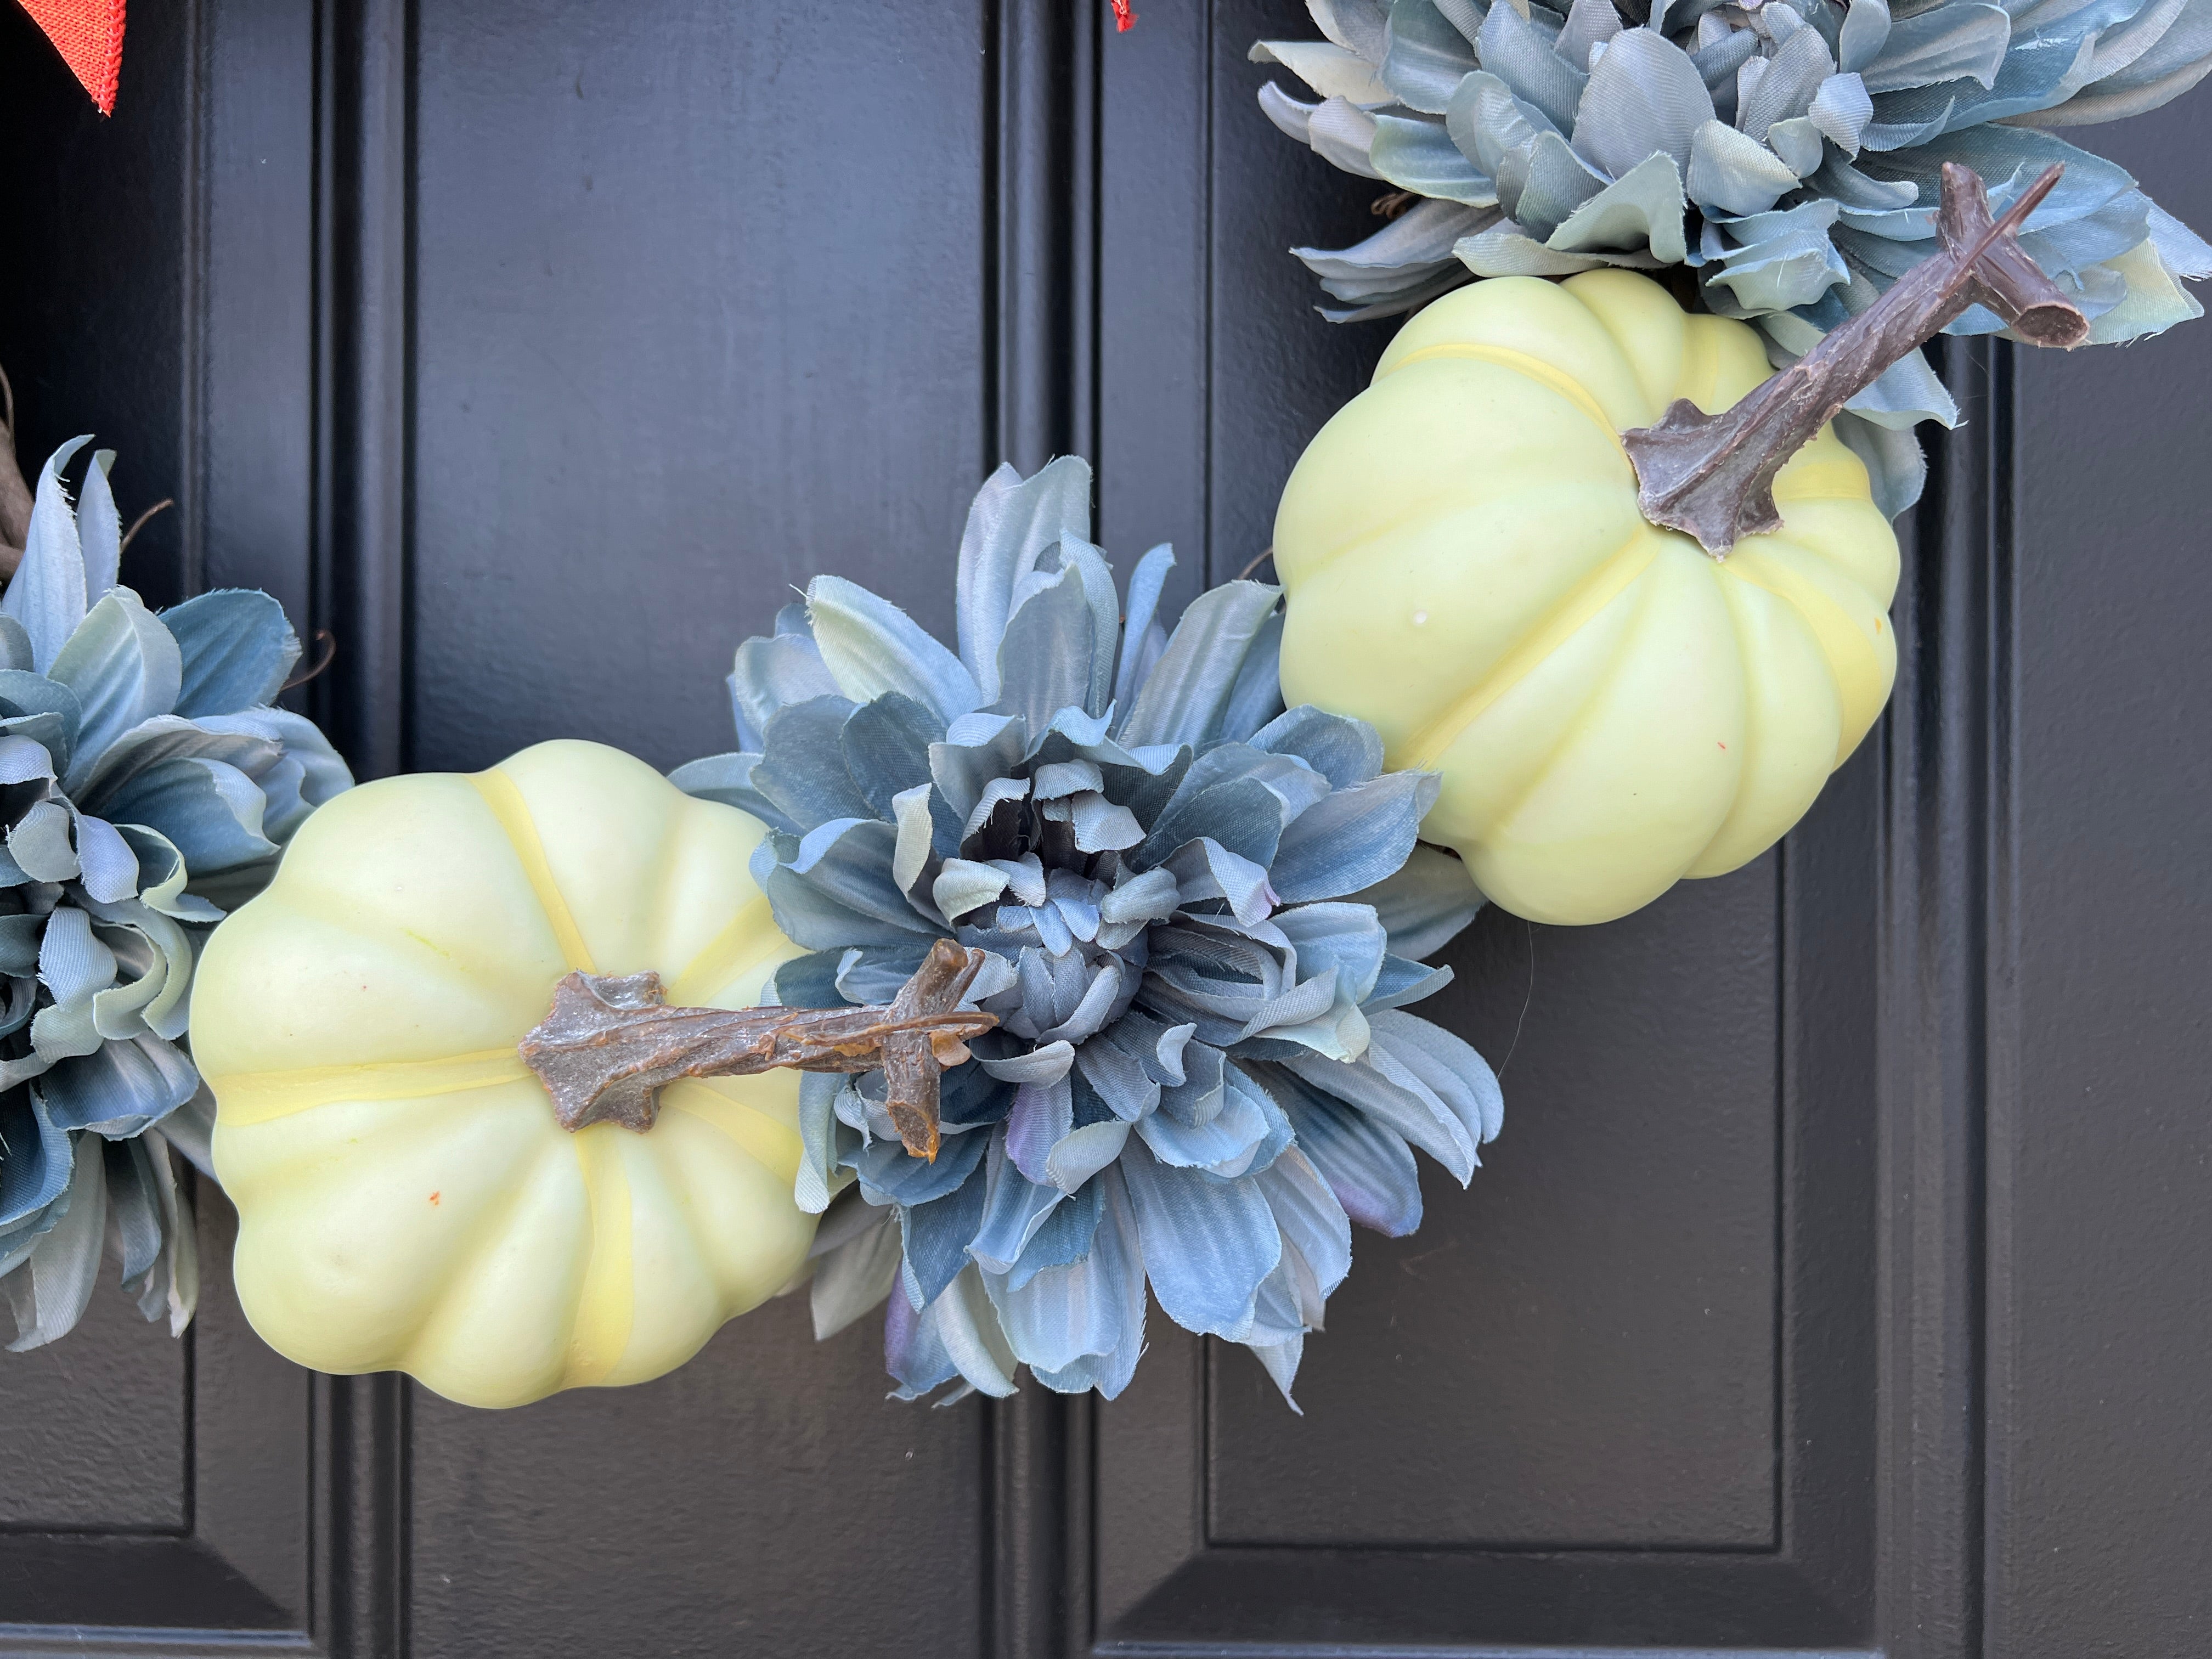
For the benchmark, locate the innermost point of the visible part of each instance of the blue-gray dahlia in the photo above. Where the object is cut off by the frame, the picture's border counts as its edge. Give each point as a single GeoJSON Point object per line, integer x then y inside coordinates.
{"type": "Point", "coordinates": [146, 786]}
{"type": "Point", "coordinates": [1787, 151]}
{"type": "Point", "coordinates": [1203, 916]}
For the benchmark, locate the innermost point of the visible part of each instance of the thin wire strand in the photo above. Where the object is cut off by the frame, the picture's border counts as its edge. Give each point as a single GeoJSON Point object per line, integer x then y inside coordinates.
{"type": "Point", "coordinates": [329, 642]}
{"type": "Point", "coordinates": [139, 524]}
{"type": "Point", "coordinates": [1527, 1002]}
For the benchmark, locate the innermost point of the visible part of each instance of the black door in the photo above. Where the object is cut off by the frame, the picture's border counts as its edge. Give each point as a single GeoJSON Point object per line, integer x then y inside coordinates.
{"type": "Point", "coordinates": [1838, 1284]}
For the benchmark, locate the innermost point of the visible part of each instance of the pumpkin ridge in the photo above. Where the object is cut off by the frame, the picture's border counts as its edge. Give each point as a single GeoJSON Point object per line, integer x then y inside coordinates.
{"type": "Point", "coordinates": [1700, 376]}
{"type": "Point", "coordinates": [1751, 603]}
{"type": "Point", "coordinates": [1774, 576]}
{"type": "Point", "coordinates": [390, 1080]}
{"type": "Point", "coordinates": [332, 912]}
{"type": "Point", "coordinates": [1603, 293]}
{"type": "Point", "coordinates": [1815, 547]}
{"type": "Point", "coordinates": [1808, 498]}
{"type": "Point", "coordinates": [1803, 596]}
{"type": "Point", "coordinates": [718, 963]}
{"type": "Point", "coordinates": [661, 869]}
{"type": "Point", "coordinates": [1545, 374]}
{"type": "Point", "coordinates": [1540, 772]}
{"type": "Point", "coordinates": [301, 1150]}
{"type": "Point", "coordinates": [607, 1297]}
{"type": "Point", "coordinates": [769, 1157]}
{"type": "Point", "coordinates": [1583, 602]}
{"type": "Point", "coordinates": [1362, 542]}
{"type": "Point", "coordinates": [1811, 477]}
{"type": "Point", "coordinates": [464, 1254]}
{"type": "Point", "coordinates": [683, 1183]}
{"type": "Point", "coordinates": [512, 813]}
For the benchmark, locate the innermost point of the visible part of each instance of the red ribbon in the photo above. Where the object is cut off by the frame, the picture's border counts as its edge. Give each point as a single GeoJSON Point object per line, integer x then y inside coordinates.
{"type": "Point", "coordinates": [88, 33]}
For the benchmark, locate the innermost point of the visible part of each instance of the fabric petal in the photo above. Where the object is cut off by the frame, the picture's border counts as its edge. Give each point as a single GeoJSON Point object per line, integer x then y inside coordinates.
{"type": "Point", "coordinates": [771, 672]}
{"type": "Point", "coordinates": [124, 667]}
{"type": "Point", "coordinates": [47, 1294]}
{"type": "Point", "coordinates": [1353, 838]}
{"type": "Point", "coordinates": [1367, 1164]}
{"type": "Point", "coordinates": [856, 1276]}
{"type": "Point", "coordinates": [1424, 56]}
{"type": "Point", "coordinates": [1733, 173]}
{"type": "Point", "coordinates": [958, 1336]}
{"type": "Point", "coordinates": [236, 649]}
{"type": "Point", "coordinates": [46, 594]}
{"type": "Point", "coordinates": [1329, 69]}
{"type": "Point", "coordinates": [1311, 1220]}
{"type": "Point", "coordinates": [1118, 1257]}
{"type": "Point", "coordinates": [1425, 903]}
{"type": "Point", "coordinates": [936, 1234]}
{"type": "Point", "coordinates": [1011, 521]}
{"type": "Point", "coordinates": [1188, 691]}
{"type": "Point", "coordinates": [1344, 751]}
{"type": "Point", "coordinates": [871, 647]}
{"type": "Point", "coordinates": [120, 1088]}
{"type": "Point", "coordinates": [1207, 1244]}
{"type": "Point", "coordinates": [1644, 97]}
{"type": "Point", "coordinates": [1420, 157]}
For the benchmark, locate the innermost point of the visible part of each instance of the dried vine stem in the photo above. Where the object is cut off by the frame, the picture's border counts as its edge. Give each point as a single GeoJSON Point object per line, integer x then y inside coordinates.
{"type": "Point", "coordinates": [610, 1044]}
{"type": "Point", "coordinates": [14, 494]}
{"type": "Point", "coordinates": [1713, 475]}
{"type": "Point", "coordinates": [142, 521]}
{"type": "Point", "coordinates": [326, 652]}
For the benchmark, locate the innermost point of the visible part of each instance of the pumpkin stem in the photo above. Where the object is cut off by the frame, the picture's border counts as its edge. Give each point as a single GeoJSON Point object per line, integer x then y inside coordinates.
{"type": "Point", "coordinates": [1713, 475]}
{"type": "Point", "coordinates": [610, 1044]}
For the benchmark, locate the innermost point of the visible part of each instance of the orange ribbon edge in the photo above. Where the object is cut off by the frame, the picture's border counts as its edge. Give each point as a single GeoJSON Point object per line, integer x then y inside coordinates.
{"type": "Point", "coordinates": [89, 34]}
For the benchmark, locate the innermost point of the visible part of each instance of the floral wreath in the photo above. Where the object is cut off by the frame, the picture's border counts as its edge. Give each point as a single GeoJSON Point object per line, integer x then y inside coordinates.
{"type": "Point", "coordinates": [1092, 941]}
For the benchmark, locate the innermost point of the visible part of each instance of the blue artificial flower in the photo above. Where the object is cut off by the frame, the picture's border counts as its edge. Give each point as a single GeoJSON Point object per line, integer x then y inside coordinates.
{"type": "Point", "coordinates": [1789, 152]}
{"type": "Point", "coordinates": [1203, 917]}
{"type": "Point", "coordinates": [146, 787]}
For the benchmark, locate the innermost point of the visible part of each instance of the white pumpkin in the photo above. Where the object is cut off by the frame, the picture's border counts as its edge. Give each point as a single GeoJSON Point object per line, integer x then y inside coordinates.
{"type": "Point", "coordinates": [406, 1199]}
{"type": "Point", "coordinates": [1612, 708]}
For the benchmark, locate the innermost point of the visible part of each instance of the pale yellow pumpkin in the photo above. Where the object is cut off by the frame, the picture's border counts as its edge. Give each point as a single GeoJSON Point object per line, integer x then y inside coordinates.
{"type": "Point", "coordinates": [1611, 707]}
{"type": "Point", "coordinates": [406, 1199]}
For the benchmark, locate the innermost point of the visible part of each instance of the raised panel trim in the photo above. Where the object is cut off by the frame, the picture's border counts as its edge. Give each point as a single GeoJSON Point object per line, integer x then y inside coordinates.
{"type": "Point", "coordinates": [86, 1642]}
{"type": "Point", "coordinates": [132, 1577]}
{"type": "Point", "coordinates": [1208, 1603]}
{"type": "Point", "coordinates": [1840, 1301]}
{"type": "Point", "coordinates": [1041, 299]}
{"type": "Point", "coordinates": [365, 255]}
{"type": "Point", "coordinates": [1333, 1650]}
{"type": "Point", "coordinates": [1946, 807]}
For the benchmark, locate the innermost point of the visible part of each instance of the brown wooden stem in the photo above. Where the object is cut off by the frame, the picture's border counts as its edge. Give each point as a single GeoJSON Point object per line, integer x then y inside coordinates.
{"type": "Point", "coordinates": [610, 1044]}
{"type": "Point", "coordinates": [1713, 475]}
{"type": "Point", "coordinates": [14, 494]}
